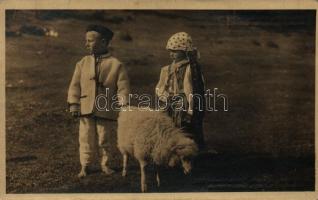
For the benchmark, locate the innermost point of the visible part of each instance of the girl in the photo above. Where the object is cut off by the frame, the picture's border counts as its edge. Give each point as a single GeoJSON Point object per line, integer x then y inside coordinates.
{"type": "Point", "coordinates": [181, 87]}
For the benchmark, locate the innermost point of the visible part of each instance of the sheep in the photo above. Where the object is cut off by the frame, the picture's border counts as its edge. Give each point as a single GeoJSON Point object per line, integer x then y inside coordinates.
{"type": "Point", "coordinates": [151, 137]}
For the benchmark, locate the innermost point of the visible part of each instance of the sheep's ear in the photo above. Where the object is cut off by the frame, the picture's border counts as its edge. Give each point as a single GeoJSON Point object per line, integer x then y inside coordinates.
{"type": "Point", "coordinates": [177, 147]}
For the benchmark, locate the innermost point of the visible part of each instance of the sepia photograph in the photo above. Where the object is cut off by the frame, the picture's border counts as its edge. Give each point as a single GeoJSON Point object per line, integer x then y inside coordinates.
{"type": "Point", "coordinates": [159, 101]}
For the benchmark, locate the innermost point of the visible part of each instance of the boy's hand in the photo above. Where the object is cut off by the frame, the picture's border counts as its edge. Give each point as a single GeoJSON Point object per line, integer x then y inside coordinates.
{"type": "Point", "coordinates": [75, 110]}
{"type": "Point", "coordinates": [76, 114]}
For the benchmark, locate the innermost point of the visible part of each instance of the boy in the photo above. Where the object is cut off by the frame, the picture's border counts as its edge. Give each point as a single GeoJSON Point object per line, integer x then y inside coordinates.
{"type": "Point", "coordinates": [97, 74]}
{"type": "Point", "coordinates": [179, 82]}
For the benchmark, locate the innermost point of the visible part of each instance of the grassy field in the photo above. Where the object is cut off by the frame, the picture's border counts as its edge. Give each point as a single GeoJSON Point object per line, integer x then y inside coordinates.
{"type": "Point", "coordinates": [263, 62]}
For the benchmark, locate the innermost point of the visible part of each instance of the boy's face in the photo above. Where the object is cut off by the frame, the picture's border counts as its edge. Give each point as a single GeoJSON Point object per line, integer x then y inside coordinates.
{"type": "Point", "coordinates": [177, 55]}
{"type": "Point", "coordinates": [94, 43]}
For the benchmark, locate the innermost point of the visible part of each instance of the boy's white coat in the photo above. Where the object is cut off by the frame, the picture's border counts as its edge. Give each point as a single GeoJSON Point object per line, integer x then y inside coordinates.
{"type": "Point", "coordinates": [82, 89]}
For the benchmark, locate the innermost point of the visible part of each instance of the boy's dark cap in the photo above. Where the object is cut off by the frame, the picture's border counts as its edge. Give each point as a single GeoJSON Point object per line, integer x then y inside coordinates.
{"type": "Point", "coordinates": [105, 32]}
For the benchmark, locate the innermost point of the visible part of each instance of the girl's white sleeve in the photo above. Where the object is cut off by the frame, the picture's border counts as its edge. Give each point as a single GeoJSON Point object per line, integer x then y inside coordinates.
{"type": "Point", "coordinates": [159, 90]}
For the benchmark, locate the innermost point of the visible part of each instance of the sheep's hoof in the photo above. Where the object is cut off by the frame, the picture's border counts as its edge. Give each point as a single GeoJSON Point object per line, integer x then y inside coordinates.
{"type": "Point", "coordinates": [124, 173]}
{"type": "Point", "coordinates": [107, 170]}
{"type": "Point", "coordinates": [144, 188]}
{"type": "Point", "coordinates": [82, 174]}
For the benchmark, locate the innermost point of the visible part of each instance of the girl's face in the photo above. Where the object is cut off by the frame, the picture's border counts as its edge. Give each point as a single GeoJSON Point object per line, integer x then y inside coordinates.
{"type": "Point", "coordinates": [177, 55]}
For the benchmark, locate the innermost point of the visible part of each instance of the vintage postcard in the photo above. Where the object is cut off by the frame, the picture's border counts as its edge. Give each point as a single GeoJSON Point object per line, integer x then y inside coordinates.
{"type": "Point", "coordinates": [158, 100]}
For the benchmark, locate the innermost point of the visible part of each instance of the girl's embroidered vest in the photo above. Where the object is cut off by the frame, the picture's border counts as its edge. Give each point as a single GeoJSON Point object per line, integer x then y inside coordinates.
{"type": "Point", "coordinates": [179, 75]}
{"type": "Point", "coordinates": [178, 115]}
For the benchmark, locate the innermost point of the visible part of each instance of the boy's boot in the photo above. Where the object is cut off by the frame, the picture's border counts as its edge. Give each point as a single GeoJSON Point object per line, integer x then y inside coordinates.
{"type": "Point", "coordinates": [83, 172]}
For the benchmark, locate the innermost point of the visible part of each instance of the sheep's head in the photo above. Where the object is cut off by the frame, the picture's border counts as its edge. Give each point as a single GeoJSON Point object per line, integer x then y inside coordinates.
{"type": "Point", "coordinates": [183, 153]}
{"type": "Point", "coordinates": [184, 161]}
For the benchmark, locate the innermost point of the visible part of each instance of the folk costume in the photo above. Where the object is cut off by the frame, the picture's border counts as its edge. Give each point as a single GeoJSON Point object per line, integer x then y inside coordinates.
{"type": "Point", "coordinates": [181, 84]}
{"type": "Point", "coordinates": [97, 79]}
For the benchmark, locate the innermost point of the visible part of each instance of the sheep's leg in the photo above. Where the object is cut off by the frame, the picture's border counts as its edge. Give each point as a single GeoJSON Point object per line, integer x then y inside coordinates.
{"type": "Point", "coordinates": [157, 175]}
{"type": "Point", "coordinates": [158, 179]}
{"type": "Point", "coordinates": [125, 159]}
{"type": "Point", "coordinates": [143, 176]}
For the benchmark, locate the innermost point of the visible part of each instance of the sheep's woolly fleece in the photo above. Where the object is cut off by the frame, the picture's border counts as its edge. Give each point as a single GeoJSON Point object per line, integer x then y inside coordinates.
{"type": "Point", "coordinates": [151, 135]}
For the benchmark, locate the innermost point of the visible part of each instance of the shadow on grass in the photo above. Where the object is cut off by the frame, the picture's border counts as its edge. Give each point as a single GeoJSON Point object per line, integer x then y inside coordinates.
{"type": "Point", "coordinates": [211, 173]}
